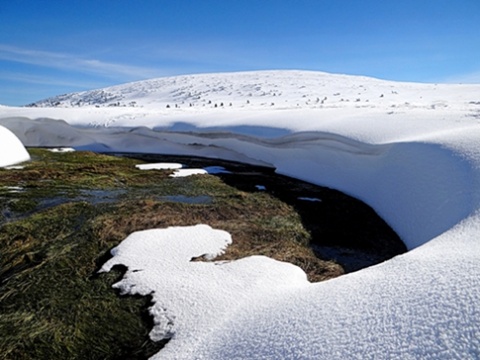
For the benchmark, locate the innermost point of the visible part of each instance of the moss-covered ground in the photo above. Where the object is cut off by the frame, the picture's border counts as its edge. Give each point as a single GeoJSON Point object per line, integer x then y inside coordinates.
{"type": "Point", "coordinates": [62, 213]}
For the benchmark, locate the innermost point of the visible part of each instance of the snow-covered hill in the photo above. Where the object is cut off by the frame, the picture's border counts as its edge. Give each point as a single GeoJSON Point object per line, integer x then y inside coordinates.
{"type": "Point", "coordinates": [292, 100]}
{"type": "Point", "coordinates": [282, 89]}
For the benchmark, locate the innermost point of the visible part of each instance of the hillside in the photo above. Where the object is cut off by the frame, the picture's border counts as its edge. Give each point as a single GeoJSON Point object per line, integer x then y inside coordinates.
{"type": "Point", "coordinates": [289, 100]}
{"type": "Point", "coordinates": [282, 88]}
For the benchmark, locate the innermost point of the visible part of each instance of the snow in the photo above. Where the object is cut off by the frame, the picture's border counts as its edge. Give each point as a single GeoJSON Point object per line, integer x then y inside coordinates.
{"type": "Point", "coordinates": [207, 290]}
{"type": "Point", "coordinates": [188, 172]}
{"type": "Point", "coordinates": [412, 154]}
{"type": "Point", "coordinates": [159, 166]}
{"type": "Point", "coordinates": [62, 150]}
{"type": "Point", "coordinates": [12, 150]}
{"type": "Point", "coordinates": [179, 172]}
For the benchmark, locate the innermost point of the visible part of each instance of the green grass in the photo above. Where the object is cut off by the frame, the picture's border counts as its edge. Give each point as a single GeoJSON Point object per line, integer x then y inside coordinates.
{"type": "Point", "coordinates": [54, 236]}
{"type": "Point", "coordinates": [52, 305]}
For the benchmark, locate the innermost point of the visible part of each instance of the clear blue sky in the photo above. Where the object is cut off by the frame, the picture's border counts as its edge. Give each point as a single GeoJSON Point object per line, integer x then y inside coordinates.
{"type": "Point", "coordinates": [50, 47]}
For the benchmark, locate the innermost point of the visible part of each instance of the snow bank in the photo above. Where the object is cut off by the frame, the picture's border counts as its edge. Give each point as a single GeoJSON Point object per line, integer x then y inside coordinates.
{"type": "Point", "coordinates": [423, 305]}
{"type": "Point", "coordinates": [12, 150]}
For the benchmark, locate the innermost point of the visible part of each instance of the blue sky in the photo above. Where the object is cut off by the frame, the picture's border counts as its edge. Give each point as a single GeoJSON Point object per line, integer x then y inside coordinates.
{"type": "Point", "coordinates": [50, 47]}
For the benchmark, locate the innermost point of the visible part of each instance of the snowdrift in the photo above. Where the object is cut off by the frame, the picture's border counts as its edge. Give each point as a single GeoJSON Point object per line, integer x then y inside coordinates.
{"type": "Point", "coordinates": [12, 150]}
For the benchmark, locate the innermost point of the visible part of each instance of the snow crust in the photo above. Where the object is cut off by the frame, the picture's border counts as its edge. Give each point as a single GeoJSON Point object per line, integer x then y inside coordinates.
{"type": "Point", "coordinates": [413, 154]}
{"type": "Point", "coordinates": [12, 150]}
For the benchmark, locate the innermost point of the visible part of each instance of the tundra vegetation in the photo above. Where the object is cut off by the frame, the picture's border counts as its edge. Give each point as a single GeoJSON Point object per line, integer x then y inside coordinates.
{"type": "Point", "coordinates": [62, 213]}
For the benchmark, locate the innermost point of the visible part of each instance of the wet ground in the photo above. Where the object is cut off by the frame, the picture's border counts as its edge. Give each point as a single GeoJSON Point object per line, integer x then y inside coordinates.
{"type": "Point", "coordinates": [343, 228]}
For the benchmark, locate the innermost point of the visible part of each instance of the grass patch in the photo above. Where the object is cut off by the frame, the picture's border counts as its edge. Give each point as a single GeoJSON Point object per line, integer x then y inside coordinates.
{"type": "Point", "coordinates": [61, 215]}
{"type": "Point", "coordinates": [51, 306]}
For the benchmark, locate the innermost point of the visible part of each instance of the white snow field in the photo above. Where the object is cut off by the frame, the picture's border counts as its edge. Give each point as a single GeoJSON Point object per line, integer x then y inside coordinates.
{"type": "Point", "coordinates": [12, 150]}
{"type": "Point", "coordinates": [411, 151]}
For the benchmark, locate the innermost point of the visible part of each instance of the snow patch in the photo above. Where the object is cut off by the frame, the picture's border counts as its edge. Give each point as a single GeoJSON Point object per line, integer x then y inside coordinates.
{"type": "Point", "coordinates": [62, 150]}
{"type": "Point", "coordinates": [188, 172]}
{"type": "Point", "coordinates": [159, 166]}
{"type": "Point", "coordinates": [159, 260]}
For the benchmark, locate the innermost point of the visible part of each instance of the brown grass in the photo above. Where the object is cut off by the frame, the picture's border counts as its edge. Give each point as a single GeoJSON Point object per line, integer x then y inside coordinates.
{"type": "Point", "coordinates": [257, 228]}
